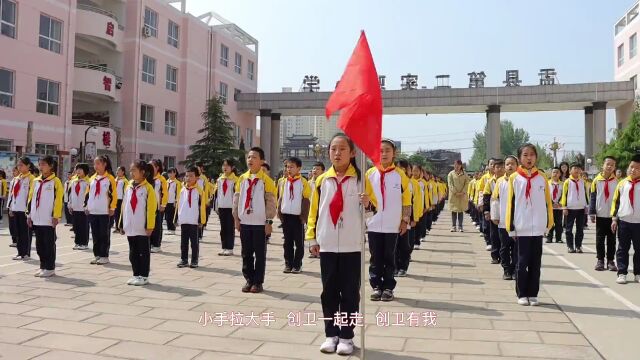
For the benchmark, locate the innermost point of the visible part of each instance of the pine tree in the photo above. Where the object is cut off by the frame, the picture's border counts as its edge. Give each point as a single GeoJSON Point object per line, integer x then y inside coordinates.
{"type": "Point", "coordinates": [217, 142]}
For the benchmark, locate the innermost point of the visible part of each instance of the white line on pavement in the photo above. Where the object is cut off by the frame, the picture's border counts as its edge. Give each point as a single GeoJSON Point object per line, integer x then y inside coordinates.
{"type": "Point", "coordinates": [594, 281]}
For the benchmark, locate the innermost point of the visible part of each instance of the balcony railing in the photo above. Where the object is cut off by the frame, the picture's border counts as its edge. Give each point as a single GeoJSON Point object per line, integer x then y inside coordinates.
{"type": "Point", "coordinates": [102, 68]}
{"type": "Point", "coordinates": [98, 11]}
{"type": "Point", "coordinates": [87, 122]}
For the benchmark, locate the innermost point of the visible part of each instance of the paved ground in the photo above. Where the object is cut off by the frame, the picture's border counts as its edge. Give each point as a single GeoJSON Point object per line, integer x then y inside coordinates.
{"type": "Point", "coordinates": [88, 312]}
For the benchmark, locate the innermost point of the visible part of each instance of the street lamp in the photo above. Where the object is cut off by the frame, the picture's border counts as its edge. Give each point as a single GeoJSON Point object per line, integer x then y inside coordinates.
{"type": "Point", "coordinates": [84, 145]}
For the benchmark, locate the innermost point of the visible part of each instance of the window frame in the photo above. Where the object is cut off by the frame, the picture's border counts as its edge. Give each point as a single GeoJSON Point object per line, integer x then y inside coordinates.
{"type": "Point", "coordinates": [145, 157]}
{"type": "Point", "coordinates": [48, 102]}
{"type": "Point", "coordinates": [149, 77]}
{"type": "Point", "coordinates": [6, 23]}
{"type": "Point", "coordinates": [248, 138]}
{"type": "Point", "coordinates": [223, 95]}
{"type": "Point", "coordinates": [153, 29]}
{"type": "Point", "coordinates": [172, 129]}
{"type": "Point", "coordinates": [173, 40]}
{"type": "Point", "coordinates": [633, 45]}
{"type": "Point", "coordinates": [49, 149]}
{"type": "Point", "coordinates": [6, 145]}
{"type": "Point", "coordinates": [49, 38]}
{"type": "Point", "coordinates": [166, 161]}
{"type": "Point", "coordinates": [251, 69]}
{"type": "Point", "coordinates": [237, 67]}
{"type": "Point", "coordinates": [171, 85]}
{"type": "Point", "coordinates": [620, 54]}
{"type": "Point", "coordinates": [224, 55]}
{"type": "Point", "coordinates": [146, 124]}
{"type": "Point", "coordinates": [12, 89]}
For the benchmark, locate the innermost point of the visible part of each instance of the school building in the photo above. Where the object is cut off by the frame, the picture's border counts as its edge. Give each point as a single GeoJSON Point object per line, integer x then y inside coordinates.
{"type": "Point", "coordinates": [127, 78]}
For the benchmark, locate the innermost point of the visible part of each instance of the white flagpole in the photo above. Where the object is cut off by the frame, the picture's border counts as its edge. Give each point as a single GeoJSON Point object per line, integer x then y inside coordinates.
{"type": "Point", "coordinates": [362, 163]}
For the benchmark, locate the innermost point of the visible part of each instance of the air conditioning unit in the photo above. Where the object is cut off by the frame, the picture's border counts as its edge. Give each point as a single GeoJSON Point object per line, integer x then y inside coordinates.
{"type": "Point", "coordinates": [146, 32]}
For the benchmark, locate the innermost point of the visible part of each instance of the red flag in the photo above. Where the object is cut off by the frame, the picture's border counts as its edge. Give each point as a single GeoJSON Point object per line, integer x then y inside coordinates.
{"type": "Point", "coordinates": [359, 98]}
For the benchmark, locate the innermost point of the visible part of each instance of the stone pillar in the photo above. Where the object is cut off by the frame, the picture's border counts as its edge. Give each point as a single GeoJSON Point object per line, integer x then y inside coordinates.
{"type": "Point", "coordinates": [265, 133]}
{"type": "Point", "coordinates": [588, 132]}
{"type": "Point", "coordinates": [493, 131]}
{"type": "Point", "coordinates": [275, 162]}
{"type": "Point", "coordinates": [599, 126]}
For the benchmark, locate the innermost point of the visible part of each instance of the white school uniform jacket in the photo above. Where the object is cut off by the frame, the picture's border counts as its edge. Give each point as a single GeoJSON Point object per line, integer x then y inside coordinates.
{"type": "Point", "coordinates": [256, 211]}
{"type": "Point", "coordinates": [173, 191]}
{"type": "Point", "coordinates": [65, 198]}
{"type": "Point", "coordinates": [45, 200]}
{"type": "Point", "coordinates": [160, 187]}
{"type": "Point", "coordinates": [622, 207]}
{"type": "Point", "coordinates": [599, 203]}
{"type": "Point", "coordinates": [100, 203]}
{"type": "Point", "coordinates": [78, 188]}
{"type": "Point", "coordinates": [347, 235]}
{"type": "Point", "coordinates": [574, 198]}
{"type": "Point", "coordinates": [499, 200]}
{"type": "Point", "coordinates": [532, 215]}
{"type": "Point", "coordinates": [10, 191]}
{"type": "Point", "coordinates": [557, 189]}
{"type": "Point", "coordinates": [20, 195]}
{"type": "Point", "coordinates": [388, 208]}
{"type": "Point", "coordinates": [224, 199]}
{"type": "Point", "coordinates": [293, 191]}
{"type": "Point", "coordinates": [121, 184]}
{"type": "Point", "coordinates": [137, 222]}
{"type": "Point", "coordinates": [193, 213]}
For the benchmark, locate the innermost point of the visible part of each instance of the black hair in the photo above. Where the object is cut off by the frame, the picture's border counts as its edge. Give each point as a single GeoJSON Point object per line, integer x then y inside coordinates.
{"type": "Point", "coordinates": [352, 147]}
{"type": "Point", "coordinates": [265, 165]}
{"type": "Point", "coordinates": [258, 150]}
{"type": "Point", "coordinates": [404, 164]}
{"type": "Point", "coordinates": [194, 170]}
{"type": "Point", "coordinates": [3, 174]}
{"type": "Point", "coordinates": [635, 158]}
{"type": "Point", "coordinates": [295, 160]}
{"type": "Point", "coordinates": [611, 158]}
{"type": "Point", "coordinates": [26, 161]}
{"type": "Point", "coordinates": [320, 165]}
{"type": "Point", "coordinates": [105, 159]}
{"type": "Point", "coordinates": [556, 168]}
{"type": "Point", "coordinates": [49, 160]}
{"type": "Point", "coordinates": [564, 174]}
{"type": "Point", "coordinates": [157, 163]}
{"type": "Point", "coordinates": [172, 170]}
{"type": "Point", "coordinates": [390, 142]}
{"type": "Point", "coordinates": [146, 168]}
{"type": "Point", "coordinates": [230, 162]}
{"type": "Point", "coordinates": [576, 165]}
{"type": "Point", "coordinates": [123, 170]}
{"type": "Point", "coordinates": [84, 167]}
{"type": "Point", "coordinates": [199, 163]}
{"type": "Point", "coordinates": [512, 157]}
{"type": "Point", "coordinates": [498, 162]}
{"type": "Point", "coordinates": [525, 146]}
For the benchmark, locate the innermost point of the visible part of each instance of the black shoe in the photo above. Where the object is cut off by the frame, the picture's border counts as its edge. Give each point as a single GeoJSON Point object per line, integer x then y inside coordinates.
{"type": "Point", "coordinates": [495, 261]}
{"type": "Point", "coordinates": [402, 273]}
{"type": "Point", "coordinates": [193, 265]}
{"type": "Point", "coordinates": [600, 265]}
{"type": "Point", "coordinates": [296, 271]}
{"type": "Point", "coordinates": [257, 288]}
{"type": "Point", "coordinates": [395, 273]}
{"type": "Point", "coordinates": [287, 270]}
{"type": "Point", "coordinates": [549, 241]}
{"type": "Point", "coordinates": [611, 266]}
{"type": "Point", "coordinates": [377, 295]}
{"type": "Point", "coordinates": [13, 245]}
{"type": "Point", "coordinates": [506, 276]}
{"type": "Point", "coordinates": [183, 264]}
{"type": "Point", "coordinates": [247, 287]}
{"type": "Point", "coordinates": [387, 295]}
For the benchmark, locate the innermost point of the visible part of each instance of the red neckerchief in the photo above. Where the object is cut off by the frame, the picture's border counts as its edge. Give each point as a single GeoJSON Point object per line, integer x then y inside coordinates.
{"type": "Point", "coordinates": [249, 198]}
{"type": "Point", "coordinates": [189, 197]}
{"type": "Point", "coordinates": [44, 181]}
{"type": "Point", "coordinates": [225, 187]}
{"type": "Point", "coordinates": [522, 172]}
{"type": "Point", "coordinates": [16, 187]}
{"type": "Point", "coordinates": [134, 198]}
{"type": "Point", "coordinates": [98, 185]}
{"type": "Point", "coordinates": [606, 187]}
{"type": "Point", "coordinates": [337, 202]}
{"type": "Point", "coordinates": [555, 191]}
{"type": "Point", "coordinates": [292, 181]}
{"type": "Point", "coordinates": [382, 185]}
{"type": "Point", "coordinates": [577, 185]}
{"type": "Point", "coordinates": [77, 189]}
{"type": "Point", "coordinates": [632, 191]}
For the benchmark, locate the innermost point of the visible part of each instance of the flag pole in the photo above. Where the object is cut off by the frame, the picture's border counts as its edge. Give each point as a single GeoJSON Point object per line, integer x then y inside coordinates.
{"type": "Point", "coordinates": [362, 163]}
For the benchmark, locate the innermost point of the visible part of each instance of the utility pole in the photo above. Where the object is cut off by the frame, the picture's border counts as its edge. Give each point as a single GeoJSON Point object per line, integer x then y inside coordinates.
{"type": "Point", "coordinates": [554, 147]}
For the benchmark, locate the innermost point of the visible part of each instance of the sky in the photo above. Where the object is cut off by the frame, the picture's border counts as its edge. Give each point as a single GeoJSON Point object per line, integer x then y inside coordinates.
{"type": "Point", "coordinates": [429, 37]}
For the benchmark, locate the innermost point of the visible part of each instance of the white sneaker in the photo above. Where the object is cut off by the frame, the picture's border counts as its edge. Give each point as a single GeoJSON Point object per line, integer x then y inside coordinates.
{"type": "Point", "coordinates": [38, 273]}
{"type": "Point", "coordinates": [345, 347]}
{"type": "Point", "coordinates": [17, 257]}
{"type": "Point", "coordinates": [329, 345]}
{"type": "Point", "coordinates": [84, 247]}
{"type": "Point", "coordinates": [637, 278]}
{"type": "Point", "coordinates": [523, 301]}
{"type": "Point", "coordinates": [26, 258]}
{"type": "Point", "coordinates": [76, 247]}
{"type": "Point", "coordinates": [95, 261]}
{"type": "Point", "coordinates": [229, 252]}
{"type": "Point", "coordinates": [622, 279]}
{"type": "Point", "coordinates": [48, 273]}
{"type": "Point", "coordinates": [141, 281]}
{"type": "Point", "coordinates": [156, 249]}
{"type": "Point", "coordinates": [488, 248]}
{"type": "Point", "coordinates": [223, 252]}
{"type": "Point", "coordinates": [533, 301]}
{"type": "Point", "coordinates": [103, 261]}
{"type": "Point", "coordinates": [416, 247]}
{"type": "Point", "coordinates": [132, 280]}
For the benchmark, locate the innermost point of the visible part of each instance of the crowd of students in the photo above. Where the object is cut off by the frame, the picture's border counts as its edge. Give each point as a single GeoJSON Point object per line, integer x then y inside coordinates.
{"type": "Point", "coordinates": [513, 204]}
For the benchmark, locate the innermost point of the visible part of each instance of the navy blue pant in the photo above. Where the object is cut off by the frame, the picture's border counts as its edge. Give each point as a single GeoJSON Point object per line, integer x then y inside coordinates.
{"type": "Point", "coordinates": [508, 254]}
{"type": "Point", "coordinates": [101, 235]}
{"type": "Point", "coordinates": [293, 232]}
{"type": "Point", "coordinates": [340, 273]}
{"type": "Point", "coordinates": [23, 233]}
{"type": "Point", "coordinates": [46, 246]}
{"type": "Point", "coordinates": [557, 226]}
{"type": "Point", "coordinates": [494, 238]}
{"type": "Point", "coordinates": [628, 234]}
{"type": "Point", "coordinates": [254, 253]}
{"type": "Point", "coordinates": [605, 235]}
{"type": "Point", "coordinates": [189, 235]}
{"type": "Point", "coordinates": [156, 235]}
{"type": "Point", "coordinates": [80, 228]}
{"type": "Point", "coordinates": [227, 228]}
{"type": "Point", "coordinates": [528, 267]}
{"type": "Point", "coordinates": [403, 252]}
{"type": "Point", "coordinates": [578, 218]}
{"type": "Point", "coordinates": [139, 255]}
{"type": "Point", "coordinates": [382, 247]}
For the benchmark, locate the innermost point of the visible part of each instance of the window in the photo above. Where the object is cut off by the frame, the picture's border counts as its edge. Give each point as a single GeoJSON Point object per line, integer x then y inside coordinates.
{"type": "Point", "coordinates": [238, 67]}
{"type": "Point", "coordinates": [146, 118]}
{"type": "Point", "coordinates": [634, 80]}
{"type": "Point", "coordinates": [169, 162]}
{"type": "Point", "coordinates": [50, 34]}
{"type": "Point", "coordinates": [251, 70]}
{"type": "Point", "coordinates": [249, 138]}
{"type": "Point", "coordinates": [236, 92]}
{"type": "Point", "coordinates": [224, 92]}
{"type": "Point", "coordinates": [148, 69]}
{"type": "Point", "coordinates": [236, 135]}
{"type": "Point", "coordinates": [172, 78]}
{"type": "Point", "coordinates": [48, 97]}
{"type": "Point", "coordinates": [46, 149]}
{"type": "Point", "coordinates": [146, 157]}
{"type": "Point", "coordinates": [151, 21]}
{"type": "Point", "coordinates": [8, 19]}
{"type": "Point", "coordinates": [620, 55]}
{"type": "Point", "coordinates": [6, 88]}
{"type": "Point", "coordinates": [174, 34]}
{"type": "Point", "coordinates": [633, 45]}
{"type": "Point", "coordinates": [170, 120]}
{"type": "Point", "coordinates": [224, 55]}
{"type": "Point", "coordinates": [6, 145]}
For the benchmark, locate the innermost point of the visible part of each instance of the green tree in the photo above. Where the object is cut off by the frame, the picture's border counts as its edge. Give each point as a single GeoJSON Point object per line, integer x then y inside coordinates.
{"type": "Point", "coordinates": [625, 143]}
{"type": "Point", "coordinates": [416, 158]}
{"type": "Point", "coordinates": [511, 139]}
{"type": "Point", "coordinates": [545, 160]}
{"type": "Point", "coordinates": [217, 140]}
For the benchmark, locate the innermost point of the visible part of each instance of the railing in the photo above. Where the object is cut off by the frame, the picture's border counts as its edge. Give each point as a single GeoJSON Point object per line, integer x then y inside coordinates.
{"type": "Point", "coordinates": [102, 68]}
{"type": "Point", "coordinates": [86, 122]}
{"type": "Point", "coordinates": [98, 11]}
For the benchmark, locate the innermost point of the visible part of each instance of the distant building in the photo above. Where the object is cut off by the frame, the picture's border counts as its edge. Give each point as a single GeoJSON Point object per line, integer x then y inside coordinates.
{"type": "Point", "coordinates": [317, 126]}
{"type": "Point", "coordinates": [442, 160]}
{"type": "Point", "coordinates": [626, 60]}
